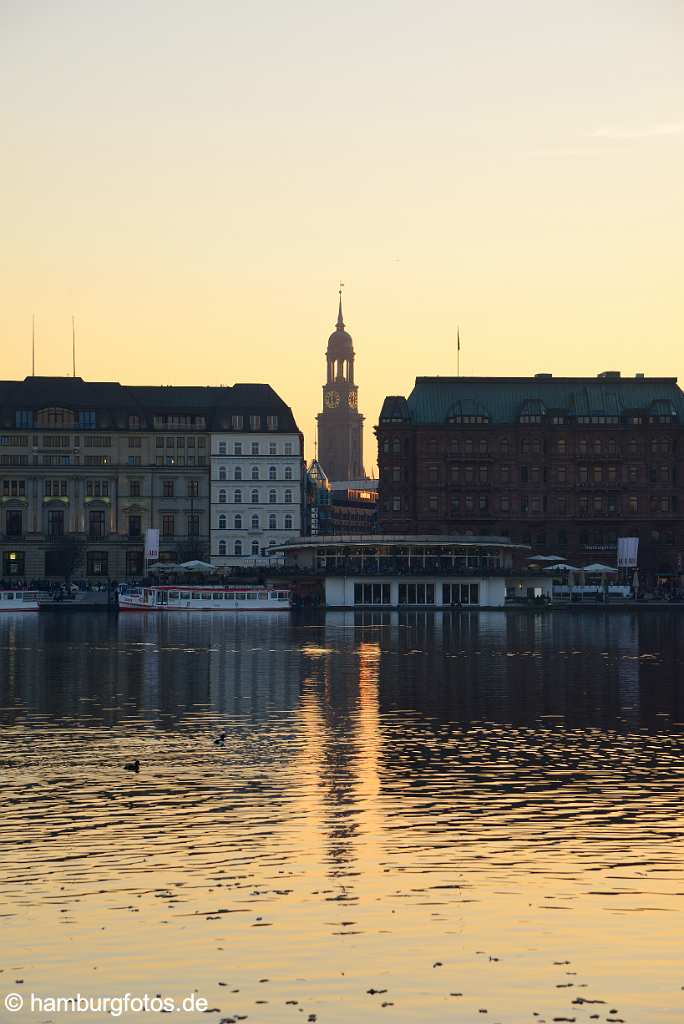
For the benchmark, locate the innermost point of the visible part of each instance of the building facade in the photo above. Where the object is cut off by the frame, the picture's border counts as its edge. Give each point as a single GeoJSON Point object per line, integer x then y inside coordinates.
{"type": "Point", "coordinates": [257, 479]}
{"type": "Point", "coordinates": [566, 465]}
{"type": "Point", "coordinates": [340, 424]}
{"type": "Point", "coordinates": [86, 468]}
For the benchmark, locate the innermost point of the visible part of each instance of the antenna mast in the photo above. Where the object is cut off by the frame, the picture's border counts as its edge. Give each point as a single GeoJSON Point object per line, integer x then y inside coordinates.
{"type": "Point", "coordinates": [33, 344]}
{"type": "Point", "coordinates": [73, 344]}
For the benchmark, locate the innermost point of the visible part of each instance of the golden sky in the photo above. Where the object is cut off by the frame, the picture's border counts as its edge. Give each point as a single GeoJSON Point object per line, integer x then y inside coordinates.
{"type": "Point", "coordinates": [191, 180]}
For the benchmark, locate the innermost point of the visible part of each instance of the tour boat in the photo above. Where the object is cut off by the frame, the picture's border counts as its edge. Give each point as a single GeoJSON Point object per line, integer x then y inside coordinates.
{"type": "Point", "coordinates": [170, 598]}
{"type": "Point", "coordinates": [18, 601]}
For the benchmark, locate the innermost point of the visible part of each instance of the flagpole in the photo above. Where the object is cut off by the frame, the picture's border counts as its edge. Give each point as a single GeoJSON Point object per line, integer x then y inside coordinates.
{"type": "Point", "coordinates": [33, 344]}
{"type": "Point", "coordinates": [458, 352]}
{"type": "Point", "coordinates": [73, 343]}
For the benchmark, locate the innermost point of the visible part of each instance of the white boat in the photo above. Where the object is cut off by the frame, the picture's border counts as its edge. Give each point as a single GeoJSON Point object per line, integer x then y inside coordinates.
{"type": "Point", "coordinates": [203, 598]}
{"type": "Point", "coordinates": [18, 601]}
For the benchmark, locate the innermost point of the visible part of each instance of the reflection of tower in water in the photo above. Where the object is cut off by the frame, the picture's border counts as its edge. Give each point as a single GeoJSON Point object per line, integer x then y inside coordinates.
{"type": "Point", "coordinates": [340, 753]}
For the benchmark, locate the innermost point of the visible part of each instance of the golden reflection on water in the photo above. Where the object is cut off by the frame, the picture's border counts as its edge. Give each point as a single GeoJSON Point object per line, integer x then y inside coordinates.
{"type": "Point", "coordinates": [444, 815]}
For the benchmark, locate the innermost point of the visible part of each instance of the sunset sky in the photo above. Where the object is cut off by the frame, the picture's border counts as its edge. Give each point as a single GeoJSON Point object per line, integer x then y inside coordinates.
{"type": "Point", "coordinates": [192, 180]}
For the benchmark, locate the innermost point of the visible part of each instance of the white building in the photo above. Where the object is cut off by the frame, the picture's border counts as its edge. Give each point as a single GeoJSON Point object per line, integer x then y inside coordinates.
{"type": "Point", "coordinates": [257, 484]}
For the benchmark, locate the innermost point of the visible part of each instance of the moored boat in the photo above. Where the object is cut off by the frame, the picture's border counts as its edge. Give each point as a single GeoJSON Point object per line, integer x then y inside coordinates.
{"type": "Point", "coordinates": [211, 598]}
{"type": "Point", "coordinates": [18, 601]}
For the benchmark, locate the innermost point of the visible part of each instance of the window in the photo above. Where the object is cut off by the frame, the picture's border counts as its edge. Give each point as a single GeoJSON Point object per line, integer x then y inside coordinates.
{"type": "Point", "coordinates": [505, 503]}
{"type": "Point", "coordinates": [583, 474]}
{"type": "Point", "coordinates": [396, 504]}
{"type": "Point", "coordinates": [55, 417]}
{"type": "Point", "coordinates": [237, 548]}
{"type": "Point", "coordinates": [288, 448]}
{"type": "Point", "coordinates": [433, 503]}
{"type": "Point", "coordinates": [597, 474]}
{"type": "Point", "coordinates": [612, 474]}
{"type": "Point", "coordinates": [237, 475]}
{"type": "Point", "coordinates": [180, 442]}
{"type": "Point", "coordinates": [193, 488]}
{"type": "Point", "coordinates": [96, 524]}
{"type": "Point", "coordinates": [14, 440]}
{"type": "Point", "coordinates": [255, 547]}
{"type": "Point", "coordinates": [222, 448]}
{"type": "Point", "coordinates": [193, 525]}
{"type": "Point", "coordinates": [222, 547]}
{"type": "Point", "coordinates": [255, 523]}
{"type": "Point", "coordinates": [97, 488]}
{"type": "Point", "coordinates": [272, 497]}
{"type": "Point", "coordinates": [255, 447]}
{"type": "Point", "coordinates": [134, 563]}
{"type": "Point", "coordinates": [288, 522]}
{"type": "Point", "coordinates": [416, 593]}
{"type": "Point", "coordinates": [237, 522]}
{"type": "Point", "coordinates": [159, 442]}
{"type": "Point", "coordinates": [168, 525]}
{"type": "Point", "coordinates": [505, 474]}
{"type": "Point", "coordinates": [371, 593]}
{"type": "Point", "coordinates": [272, 448]}
{"type": "Point", "coordinates": [255, 472]}
{"type": "Point", "coordinates": [272, 522]}
{"type": "Point", "coordinates": [87, 420]}
{"type": "Point", "coordinates": [23, 418]}
{"type": "Point", "coordinates": [237, 497]}
{"type": "Point", "coordinates": [55, 488]}
{"type": "Point", "coordinates": [14, 524]}
{"type": "Point", "coordinates": [288, 472]}
{"type": "Point", "coordinates": [562, 506]}
{"type": "Point", "coordinates": [134, 460]}
{"type": "Point", "coordinates": [134, 526]}
{"type": "Point", "coordinates": [14, 488]}
{"type": "Point", "coordinates": [632, 503]}
{"type": "Point", "coordinates": [237, 447]}
{"type": "Point", "coordinates": [97, 563]}
{"type": "Point", "coordinates": [460, 593]}
{"type": "Point", "coordinates": [288, 497]}
{"type": "Point", "coordinates": [272, 473]}
{"type": "Point", "coordinates": [170, 442]}
{"type": "Point", "coordinates": [396, 473]}
{"type": "Point", "coordinates": [97, 441]}
{"type": "Point", "coordinates": [56, 440]}
{"type": "Point", "coordinates": [222, 497]}
{"type": "Point", "coordinates": [88, 460]}
{"type": "Point", "coordinates": [254, 497]}
{"type": "Point", "coordinates": [222, 473]}
{"type": "Point", "coordinates": [561, 446]}
{"type": "Point", "coordinates": [483, 503]}
{"type": "Point", "coordinates": [255, 422]}
{"type": "Point", "coordinates": [135, 442]}
{"type": "Point", "coordinates": [271, 422]}
{"type": "Point", "coordinates": [55, 523]}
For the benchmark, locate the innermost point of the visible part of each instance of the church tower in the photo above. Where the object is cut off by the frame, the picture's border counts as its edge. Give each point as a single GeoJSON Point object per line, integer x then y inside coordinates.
{"type": "Point", "coordinates": [340, 425]}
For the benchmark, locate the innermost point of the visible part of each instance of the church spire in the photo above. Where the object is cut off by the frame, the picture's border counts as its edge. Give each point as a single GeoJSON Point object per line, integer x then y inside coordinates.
{"type": "Point", "coordinates": [340, 320]}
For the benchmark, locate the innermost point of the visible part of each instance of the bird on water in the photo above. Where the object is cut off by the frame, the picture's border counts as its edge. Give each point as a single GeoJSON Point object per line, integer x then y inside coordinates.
{"type": "Point", "coordinates": [220, 741]}
{"type": "Point", "coordinates": [132, 766]}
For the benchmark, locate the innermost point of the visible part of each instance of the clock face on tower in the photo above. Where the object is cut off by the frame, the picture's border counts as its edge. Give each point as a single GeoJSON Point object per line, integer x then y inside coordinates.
{"type": "Point", "coordinates": [351, 398]}
{"type": "Point", "coordinates": [332, 399]}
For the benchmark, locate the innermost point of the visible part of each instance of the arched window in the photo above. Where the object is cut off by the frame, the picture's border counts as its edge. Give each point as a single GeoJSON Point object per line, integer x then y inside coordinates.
{"type": "Point", "coordinates": [222, 522]}
{"type": "Point", "coordinates": [396, 447]}
{"type": "Point", "coordinates": [288, 472]}
{"type": "Point", "coordinates": [222, 547]}
{"type": "Point", "coordinates": [238, 473]}
{"type": "Point", "coordinates": [222, 473]}
{"type": "Point", "coordinates": [255, 472]}
{"type": "Point", "coordinates": [55, 417]}
{"type": "Point", "coordinates": [272, 522]}
{"type": "Point", "coordinates": [288, 522]}
{"type": "Point", "coordinates": [255, 497]}
{"type": "Point", "coordinates": [222, 497]}
{"type": "Point", "coordinates": [255, 522]}
{"type": "Point", "coordinates": [222, 447]}
{"type": "Point", "coordinates": [255, 547]}
{"type": "Point", "coordinates": [288, 497]}
{"type": "Point", "coordinates": [238, 547]}
{"type": "Point", "coordinates": [272, 473]}
{"type": "Point", "coordinates": [237, 498]}
{"type": "Point", "coordinates": [271, 497]}
{"type": "Point", "coordinates": [237, 522]}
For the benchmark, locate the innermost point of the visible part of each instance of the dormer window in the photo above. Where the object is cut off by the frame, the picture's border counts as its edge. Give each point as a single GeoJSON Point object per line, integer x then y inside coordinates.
{"type": "Point", "coordinates": [55, 416]}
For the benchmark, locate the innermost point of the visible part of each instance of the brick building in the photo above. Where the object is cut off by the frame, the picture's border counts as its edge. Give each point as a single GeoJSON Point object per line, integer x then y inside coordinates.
{"type": "Point", "coordinates": [564, 464]}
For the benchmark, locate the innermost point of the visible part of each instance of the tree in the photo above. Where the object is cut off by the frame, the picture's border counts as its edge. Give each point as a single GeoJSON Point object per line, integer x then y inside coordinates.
{"type": "Point", "coordinates": [65, 556]}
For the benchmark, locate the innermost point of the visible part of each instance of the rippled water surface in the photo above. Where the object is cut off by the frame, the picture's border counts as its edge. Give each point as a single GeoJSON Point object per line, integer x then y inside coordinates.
{"type": "Point", "coordinates": [475, 816]}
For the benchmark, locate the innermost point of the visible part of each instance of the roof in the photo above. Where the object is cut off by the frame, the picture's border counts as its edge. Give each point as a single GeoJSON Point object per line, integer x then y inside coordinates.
{"type": "Point", "coordinates": [116, 401]}
{"type": "Point", "coordinates": [505, 399]}
{"type": "Point", "coordinates": [375, 540]}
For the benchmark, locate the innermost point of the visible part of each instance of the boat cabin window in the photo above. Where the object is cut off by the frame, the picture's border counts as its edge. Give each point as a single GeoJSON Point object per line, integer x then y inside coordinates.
{"type": "Point", "coordinates": [185, 595]}
{"type": "Point", "coordinates": [240, 597]}
{"type": "Point", "coordinates": [206, 597]}
{"type": "Point", "coordinates": [197, 595]}
{"type": "Point", "coordinates": [8, 597]}
{"type": "Point", "coordinates": [173, 595]}
{"type": "Point", "coordinates": [217, 596]}
{"type": "Point", "coordinates": [263, 597]}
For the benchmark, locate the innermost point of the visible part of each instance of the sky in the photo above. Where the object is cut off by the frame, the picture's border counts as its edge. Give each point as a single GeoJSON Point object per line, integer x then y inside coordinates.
{"type": "Point", "coordinates": [191, 180]}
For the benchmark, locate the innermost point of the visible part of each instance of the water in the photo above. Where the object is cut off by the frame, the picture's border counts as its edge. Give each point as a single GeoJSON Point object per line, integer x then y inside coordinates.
{"type": "Point", "coordinates": [412, 819]}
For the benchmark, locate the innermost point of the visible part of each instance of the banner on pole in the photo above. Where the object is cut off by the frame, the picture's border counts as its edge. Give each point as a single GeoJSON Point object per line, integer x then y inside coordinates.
{"type": "Point", "coordinates": [151, 545]}
{"type": "Point", "coordinates": [628, 548]}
